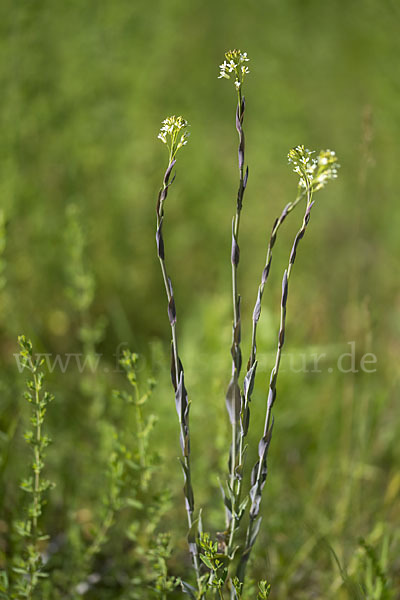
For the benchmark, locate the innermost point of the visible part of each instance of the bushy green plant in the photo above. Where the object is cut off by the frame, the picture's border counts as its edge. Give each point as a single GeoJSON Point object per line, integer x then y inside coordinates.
{"type": "Point", "coordinates": [130, 507]}
{"type": "Point", "coordinates": [24, 576]}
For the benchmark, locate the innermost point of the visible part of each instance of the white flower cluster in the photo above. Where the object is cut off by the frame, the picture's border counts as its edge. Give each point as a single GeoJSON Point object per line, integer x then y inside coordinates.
{"type": "Point", "coordinates": [314, 172]}
{"type": "Point", "coordinates": [234, 63]}
{"type": "Point", "coordinates": [303, 164]}
{"type": "Point", "coordinates": [325, 169]}
{"type": "Point", "coordinates": [174, 133]}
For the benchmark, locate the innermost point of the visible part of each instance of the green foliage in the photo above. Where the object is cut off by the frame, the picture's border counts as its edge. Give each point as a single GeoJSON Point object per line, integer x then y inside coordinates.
{"type": "Point", "coordinates": [215, 561]}
{"type": "Point", "coordinates": [144, 426]}
{"type": "Point", "coordinates": [3, 241]}
{"type": "Point", "coordinates": [83, 89]}
{"type": "Point", "coordinates": [159, 553]}
{"type": "Point", "coordinates": [376, 583]}
{"type": "Point", "coordinates": [28, 565]}
{"type": "Point", "coordinates": [80, 290]}
{"type": "Point", "coordinates": [370, 564]}
{"type": "Point", "coordinates": [264, 590]}
{"type": "Point", "coordinates": [129, 508]}
{"type": "Point", "coordinates": [81, 284]}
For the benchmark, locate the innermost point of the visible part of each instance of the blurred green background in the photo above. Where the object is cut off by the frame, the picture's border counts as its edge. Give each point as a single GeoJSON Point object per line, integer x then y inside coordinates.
{"type": "Point", "coordinates": [84, 87]}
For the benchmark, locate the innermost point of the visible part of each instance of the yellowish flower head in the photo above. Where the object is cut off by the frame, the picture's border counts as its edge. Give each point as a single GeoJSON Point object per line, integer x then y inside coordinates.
{"type": "Point", "coordinates": [314, 172]}
{"type": "Point", "coordinates": [235, 63]}
{"type": "Point", "coordinates": [174, 133]}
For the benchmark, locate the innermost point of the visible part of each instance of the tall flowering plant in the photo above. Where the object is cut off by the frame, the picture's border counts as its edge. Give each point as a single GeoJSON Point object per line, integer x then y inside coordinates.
{"type": "Point", "coordinates": [220, 566]}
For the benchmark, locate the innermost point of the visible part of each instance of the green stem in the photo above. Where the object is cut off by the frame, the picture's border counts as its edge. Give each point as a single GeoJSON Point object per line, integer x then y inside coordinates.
{"type": "Point", "coordinates": [253, 353]}
{"type": "Point", "coordinates": [37, 495]}
{"type": "Point", "coordinates": [185, 459]}
{"type": "Point", "coordinates": [140, 428]}
{"type": "Point", "coordinates": [282, 327]}
{"type": "Point", "coordinates": [98, 541]}
{"type": "Point", "coordinates": [33, 567]}
{"type": "Point", "coordinates": [274, 232]}
{"type": "Point", "coordinates": [173, 326]}
{"type": "Point", "coordinates": [236, 324]}
{"type": "Point", "coordinates": [274, 373]}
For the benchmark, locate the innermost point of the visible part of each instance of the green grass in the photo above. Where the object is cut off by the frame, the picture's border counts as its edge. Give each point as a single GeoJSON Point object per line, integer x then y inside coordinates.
{"type": "Point", "coordinates": [84, 88]}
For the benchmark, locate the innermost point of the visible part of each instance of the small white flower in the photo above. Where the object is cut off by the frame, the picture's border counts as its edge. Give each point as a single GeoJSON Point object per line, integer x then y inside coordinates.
{"type": "Point", "coordinates": [314, 172]}
{"type": "Point", "coordinates": [303, 164]}
{"type": "Point", "coordinates": [223, 69]}
{"type": "Point", "coordinates": [175, 129]}
{"type": "Point", "coordinates": [326, 169]}
{"type": "Point", "coordinates": [234, 63]}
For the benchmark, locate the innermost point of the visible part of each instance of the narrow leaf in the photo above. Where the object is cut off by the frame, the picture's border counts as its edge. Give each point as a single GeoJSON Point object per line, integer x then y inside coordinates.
{"type": "Point", "coordinates": [233, 400]}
